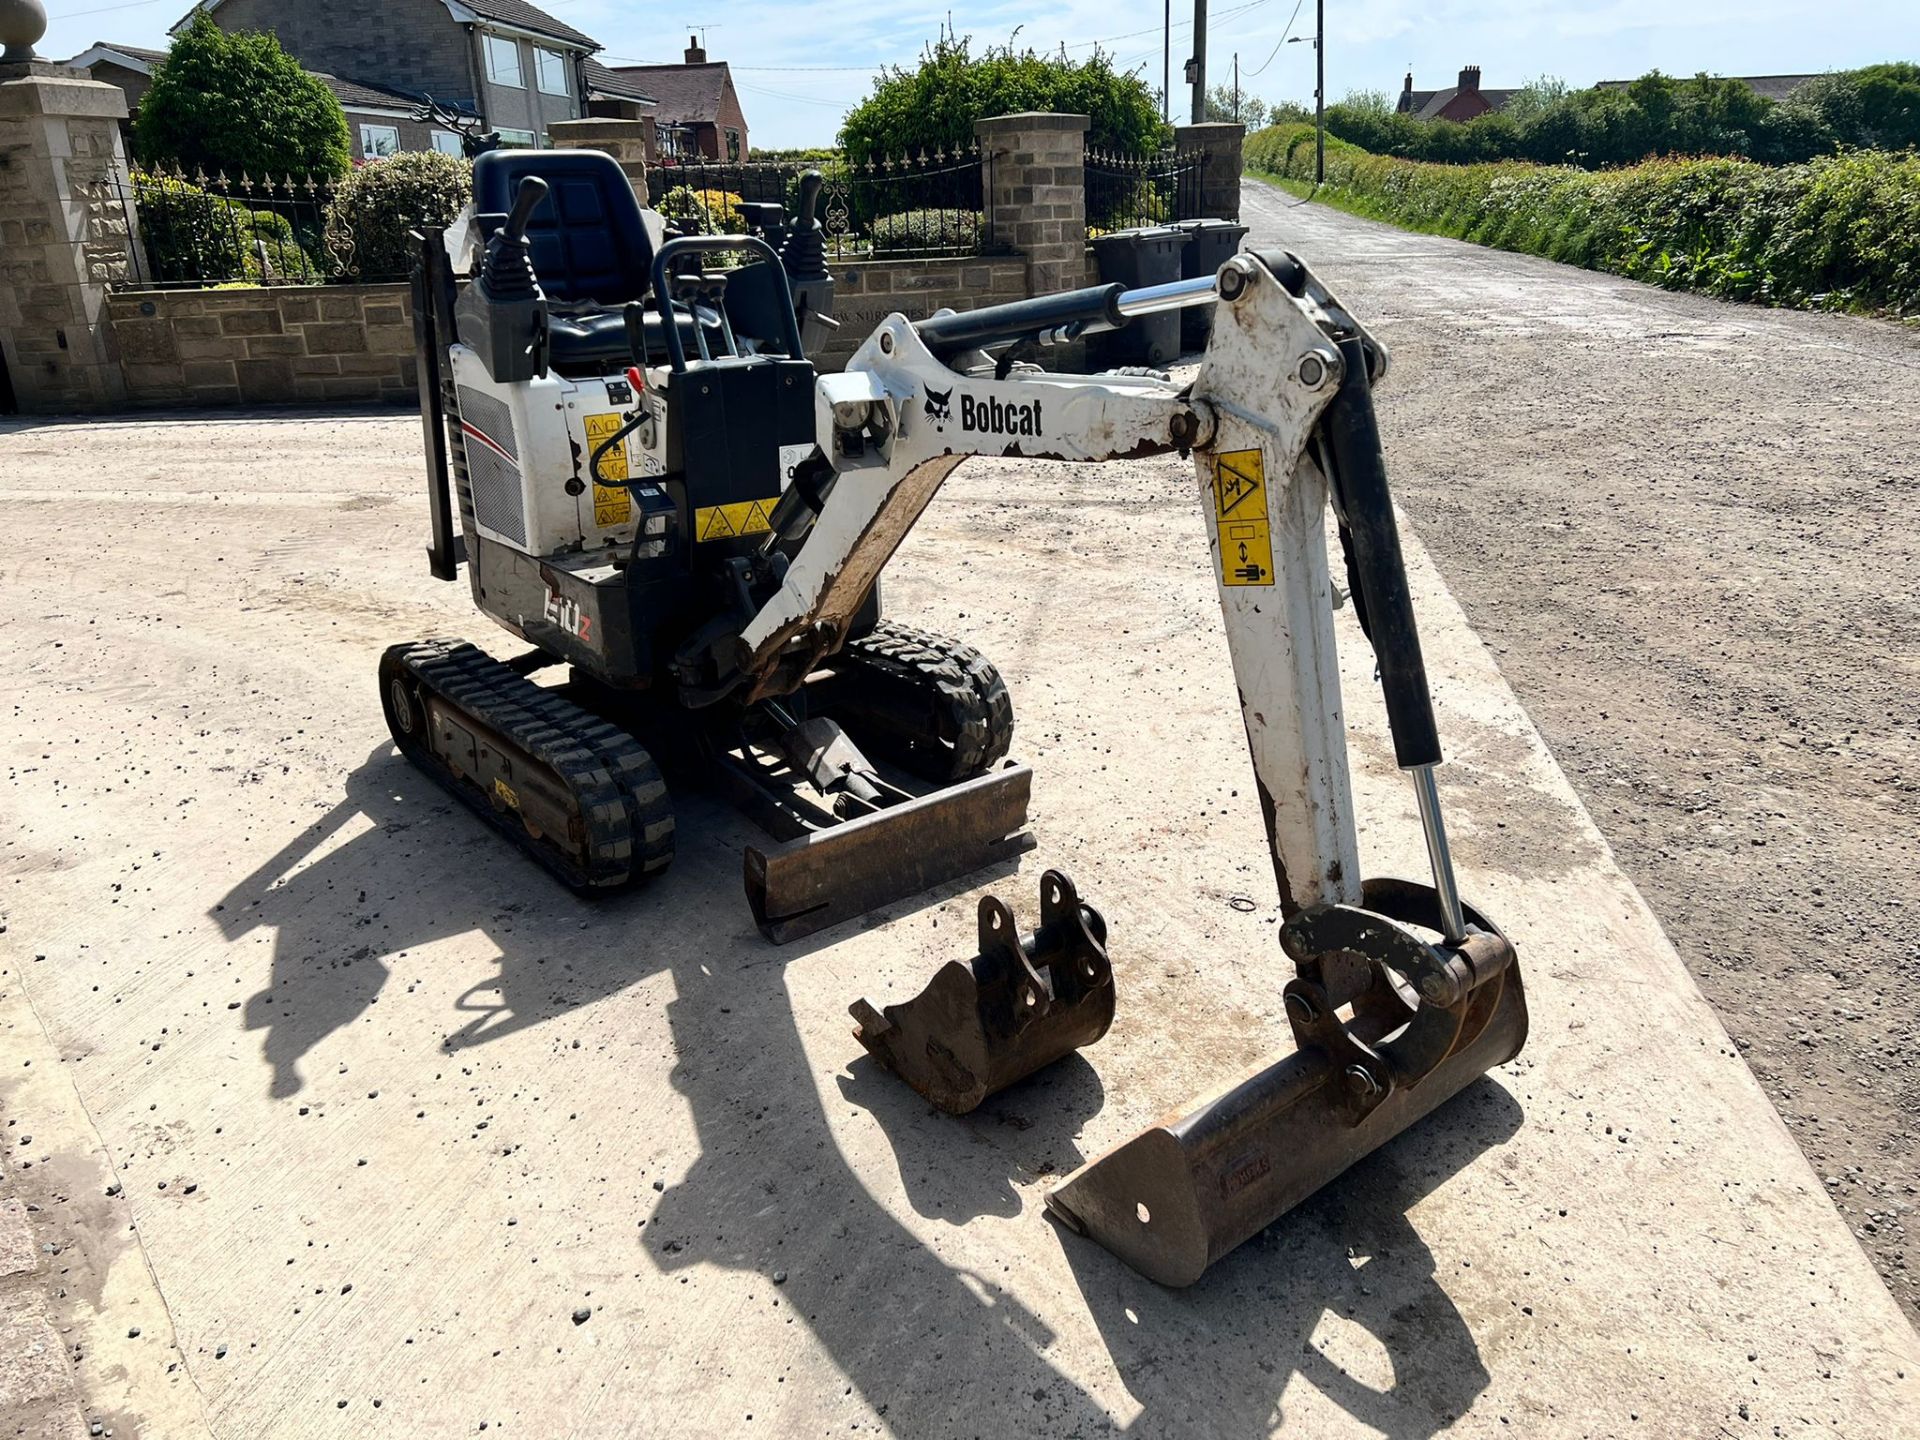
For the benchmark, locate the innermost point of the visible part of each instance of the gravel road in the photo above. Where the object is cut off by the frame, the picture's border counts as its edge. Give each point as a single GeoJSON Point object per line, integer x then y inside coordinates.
{"type": "Point", "coordinates": [1691, 533]}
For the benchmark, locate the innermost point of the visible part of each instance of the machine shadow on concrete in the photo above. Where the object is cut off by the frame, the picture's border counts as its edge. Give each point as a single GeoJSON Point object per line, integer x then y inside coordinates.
{"type": "Point", "coordinates": [936, 1348]}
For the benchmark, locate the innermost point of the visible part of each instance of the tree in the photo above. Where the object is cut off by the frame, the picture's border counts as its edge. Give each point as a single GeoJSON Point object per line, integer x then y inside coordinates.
{"type": "Point", "coordinates": [934, 106]}
{"type": "Point", "coordinates": [240, 104]}
{"type": "Point", "coordinates": [1253, 111]}
{"type": "Point", "coordinates": [1368, 102]}
{"type": "Point", "coordinates": [1535, 98]}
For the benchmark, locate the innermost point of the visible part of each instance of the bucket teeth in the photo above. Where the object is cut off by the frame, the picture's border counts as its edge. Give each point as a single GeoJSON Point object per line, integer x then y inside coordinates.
{"type": "Point", "coordinates": [1178, 1197]}
{"type": "Point", "coordinates": [1020, 1004]}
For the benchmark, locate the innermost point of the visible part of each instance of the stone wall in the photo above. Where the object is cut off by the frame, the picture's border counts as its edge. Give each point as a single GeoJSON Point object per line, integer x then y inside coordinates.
{"type": "Point", "coordinates": [61, 241]}
{"type": "Point", "coordinates": [866, 293]}
{"type": "Point", "coordinates": [267, 346]}
{"type": "Point", "coordinates": [1221, 143]}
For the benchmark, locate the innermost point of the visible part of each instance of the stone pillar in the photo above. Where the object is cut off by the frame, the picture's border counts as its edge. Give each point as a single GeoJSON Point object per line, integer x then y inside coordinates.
{"type": "Point", "coordinates": [65, 225]}
{"type": "Point", "coordinates": [1220, 182]}
{"type": "Point", "coordinates": [1034, 180]}
{"type": "Point", "coordinates": [625, 140]}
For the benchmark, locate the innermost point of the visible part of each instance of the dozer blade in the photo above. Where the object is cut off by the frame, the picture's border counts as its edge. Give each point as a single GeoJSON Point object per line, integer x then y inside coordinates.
{"type": "Point", "coordinates": [1175, 1199]}
{"type": "Point", "coordinates": [1021, 1003]}
{"type": "Point", "coordinates": [840, 871]}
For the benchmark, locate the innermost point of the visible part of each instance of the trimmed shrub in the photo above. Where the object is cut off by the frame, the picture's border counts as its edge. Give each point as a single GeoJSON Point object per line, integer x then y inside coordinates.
{"type": "Point", "coordinates": [933, 107]}
{"type": "Point", "coordinates": [239, 104]}
{"type": "Point", "coordinates": [949, 231]}
{"type": "Point", "coordinates": [192, 235]}
{"type": "Point", "coordinates": [187, 231]}
{"type": "Point", "coordinates": [1835, 232]}
{"type": "Point", "coordinates": [703, 212]}
{"type": "Point", "coordinates": [374, 211]}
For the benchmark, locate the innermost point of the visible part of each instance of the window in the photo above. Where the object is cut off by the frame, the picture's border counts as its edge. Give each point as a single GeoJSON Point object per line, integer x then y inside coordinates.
{"type": "Point", "coordinates": [503, 61]}
{"type": "Point", "coordinates": [521, 139]}
{"type": "Point", "coordinates": [552, 66]}
{"type": "Point", "coordinates": [733, 145]}
{"type": "Point", "coordinates": [447, 143]}
{"type": "Point", "coordinates": [379, 141]}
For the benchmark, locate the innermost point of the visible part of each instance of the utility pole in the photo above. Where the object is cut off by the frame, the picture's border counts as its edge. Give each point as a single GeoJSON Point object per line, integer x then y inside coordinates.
{"type": "Point", "coordinates": [1166, 61]}
{"type": "Point", "coordinates": [1199, 62]}
{"type": "Point", "coordinates": [1320, 93]}
{"type": "Point", "coordinates": [1236, 86]}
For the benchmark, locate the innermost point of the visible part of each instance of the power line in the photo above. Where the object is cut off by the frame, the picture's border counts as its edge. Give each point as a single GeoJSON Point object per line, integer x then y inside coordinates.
{"type": "Point", "coordinates": [106, 9]}
{"type": "Point", "coordinates": [1281, 41]}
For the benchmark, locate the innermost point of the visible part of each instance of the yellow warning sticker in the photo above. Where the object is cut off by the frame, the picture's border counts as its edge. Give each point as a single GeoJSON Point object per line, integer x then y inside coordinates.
{"type": "Point", "coordinates": [723, 522]}
{"type": "Point", "coordinates": [612, 505]}
{"type": "Point", "coordinates": [1240, 514]}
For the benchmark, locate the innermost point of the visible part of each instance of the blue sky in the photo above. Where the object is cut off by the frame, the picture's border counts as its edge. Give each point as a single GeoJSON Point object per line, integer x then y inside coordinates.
{"type": "Point", "coordinates": [799, 66]}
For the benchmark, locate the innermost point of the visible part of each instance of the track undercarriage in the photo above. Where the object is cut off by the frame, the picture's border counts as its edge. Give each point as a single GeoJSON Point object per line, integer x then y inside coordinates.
{"type": "Point", "coordinates": [569, 772]}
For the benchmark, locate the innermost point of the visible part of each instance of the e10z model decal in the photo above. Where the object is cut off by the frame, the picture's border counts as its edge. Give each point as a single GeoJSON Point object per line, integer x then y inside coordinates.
{"type": "Point", "coordinates": [568, 615]}
{"type": "Point", "coordinates": [1240, 514]}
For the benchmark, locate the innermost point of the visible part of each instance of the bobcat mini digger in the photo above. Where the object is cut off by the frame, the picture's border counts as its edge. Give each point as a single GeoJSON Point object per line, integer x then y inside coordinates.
{"type": "Point", "coordinates": [655, 489]}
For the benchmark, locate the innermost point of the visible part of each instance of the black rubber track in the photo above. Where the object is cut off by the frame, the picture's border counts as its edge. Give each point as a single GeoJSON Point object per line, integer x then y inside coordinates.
{"type": "Point", "coordinates": [626, 815]}
{"type": "Point", "coordinates": [963, 715]}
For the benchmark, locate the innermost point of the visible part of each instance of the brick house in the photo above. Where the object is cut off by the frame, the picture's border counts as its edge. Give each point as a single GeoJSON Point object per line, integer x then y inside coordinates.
{"type": "Point", "coordinates": [1458, 102]}
{"type": "Point", "coordinates": [696, 111]}
{"type": "Point", "coordinates": [509, 63]}
{"type": "Point", "coordinates": [379, 121]}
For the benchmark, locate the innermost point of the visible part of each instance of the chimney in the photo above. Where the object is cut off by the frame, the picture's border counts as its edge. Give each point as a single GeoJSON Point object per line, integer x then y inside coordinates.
{"type": "Point", "coordinates": [1470, 80]}
{"type": "Point", "coordinates": [698, 56]}
{"type": "Point", "coordinates": [1407, 89]}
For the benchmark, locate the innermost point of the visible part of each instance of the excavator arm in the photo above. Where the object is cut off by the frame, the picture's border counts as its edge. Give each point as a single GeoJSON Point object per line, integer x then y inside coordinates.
{"type": "Point", "coordinates": [1279, 423]}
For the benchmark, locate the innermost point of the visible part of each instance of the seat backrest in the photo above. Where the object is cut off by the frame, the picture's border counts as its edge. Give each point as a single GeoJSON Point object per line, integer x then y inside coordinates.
{"type": "Point", "coordinates": [590, 245]}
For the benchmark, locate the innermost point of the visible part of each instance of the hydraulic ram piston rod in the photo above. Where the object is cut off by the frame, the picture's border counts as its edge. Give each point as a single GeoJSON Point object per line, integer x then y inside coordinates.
{"type": "Point", "coordinates": [1065, 316]}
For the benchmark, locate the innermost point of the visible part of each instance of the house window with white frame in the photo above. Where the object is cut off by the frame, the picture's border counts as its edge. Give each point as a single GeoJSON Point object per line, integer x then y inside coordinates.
{"type": "Point", "coordinates": [519, 139]}
{"type": "Point", "coordinates": [377, 142]}
{"type": "Point", "coordinates": [503, 61]}
{"type": "Point", "coordinates": [551, 69]}
{"type": "Point", "coordinates": [447, 143]}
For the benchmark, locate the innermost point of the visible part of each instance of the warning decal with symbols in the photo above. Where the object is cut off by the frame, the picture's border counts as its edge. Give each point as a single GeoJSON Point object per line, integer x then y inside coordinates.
{"type": "Point", "coordinates": [611, 504]}
{"type": "Point", "coordinates": [723, 522]}
{"type": "Point", "coordinates": [1240, 513]}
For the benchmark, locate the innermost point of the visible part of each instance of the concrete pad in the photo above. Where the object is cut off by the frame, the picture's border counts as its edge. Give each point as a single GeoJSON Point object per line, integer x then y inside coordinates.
{"type": "Point", "coordinates": [430, 1107]}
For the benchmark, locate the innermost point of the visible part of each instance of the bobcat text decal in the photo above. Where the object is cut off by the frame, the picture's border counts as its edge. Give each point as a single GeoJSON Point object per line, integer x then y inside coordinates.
{"type": "Point", "coordinates": [990, 417]}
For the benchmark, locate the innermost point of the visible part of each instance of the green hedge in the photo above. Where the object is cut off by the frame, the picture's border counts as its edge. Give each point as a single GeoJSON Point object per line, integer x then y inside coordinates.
{"type": "Point", "coordinates": [195, 236]}
{"type": "Point", "coordinates": [373, 213]}
{"type": "Point", "coordinates": [955, 231]}
{"type": "Point", "coordinates": [1837, 232]}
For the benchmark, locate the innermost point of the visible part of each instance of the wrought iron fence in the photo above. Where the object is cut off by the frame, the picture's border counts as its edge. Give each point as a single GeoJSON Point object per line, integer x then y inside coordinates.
{"type": "Point", "coordinates": [1127, 191]}
{"type": "Point", "coordinates": [929, 204]}
{"type": "Point", "coordinates": [203, 230]}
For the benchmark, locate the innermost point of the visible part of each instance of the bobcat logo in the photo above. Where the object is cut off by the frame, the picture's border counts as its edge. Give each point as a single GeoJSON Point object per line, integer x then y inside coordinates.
{"type": "Point", "coordinates": [939, 407]}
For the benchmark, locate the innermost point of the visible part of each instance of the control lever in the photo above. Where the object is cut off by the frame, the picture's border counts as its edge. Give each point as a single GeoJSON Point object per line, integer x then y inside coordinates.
{"type": "Point", "coordinates": [526, 199]}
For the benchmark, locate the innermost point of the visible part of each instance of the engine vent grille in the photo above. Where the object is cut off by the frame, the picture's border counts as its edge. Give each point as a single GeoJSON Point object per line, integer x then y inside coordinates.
{"type": "Point", "coordinates": [496, 493]}
{"type": "Point", "coordinates": [490, 418]}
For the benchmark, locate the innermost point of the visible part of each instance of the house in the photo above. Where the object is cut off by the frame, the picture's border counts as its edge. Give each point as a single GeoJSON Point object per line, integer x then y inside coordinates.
{"type": "Point", "coordinates": [1459, 102]}
{"type": "Point", "coordinates": [509, 63]}
{"type": "Point", "coordinates": [379, 121]}
{"type": "Point", "coordinates": [1767, 87]}
{"type": "Point", "coordinates": [696, 111]}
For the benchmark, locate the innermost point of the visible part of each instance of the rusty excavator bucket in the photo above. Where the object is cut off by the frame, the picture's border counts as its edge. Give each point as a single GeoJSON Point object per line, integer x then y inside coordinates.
{"type": "Point", "coordinates": [1428, 1019]}
{"type": "Point", "coordinates": [1020, 1004]}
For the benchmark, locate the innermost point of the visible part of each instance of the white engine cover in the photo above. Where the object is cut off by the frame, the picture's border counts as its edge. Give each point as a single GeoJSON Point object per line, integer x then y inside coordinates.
{"type": "Point", "coordinates": [527, 448]}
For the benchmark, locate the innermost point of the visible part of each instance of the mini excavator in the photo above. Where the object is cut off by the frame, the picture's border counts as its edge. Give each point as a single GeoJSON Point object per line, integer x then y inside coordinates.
{"type": "Point", "coordinates": [655, 489]}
